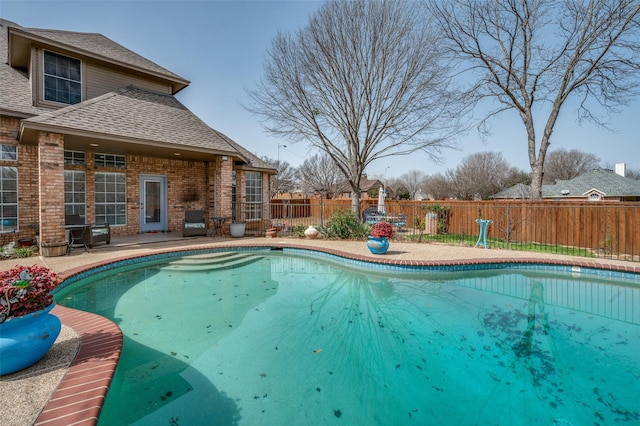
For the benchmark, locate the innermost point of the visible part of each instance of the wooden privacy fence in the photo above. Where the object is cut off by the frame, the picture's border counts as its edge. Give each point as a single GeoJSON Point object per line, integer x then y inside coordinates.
{"type": "Point", "coordinates": [603, 229]}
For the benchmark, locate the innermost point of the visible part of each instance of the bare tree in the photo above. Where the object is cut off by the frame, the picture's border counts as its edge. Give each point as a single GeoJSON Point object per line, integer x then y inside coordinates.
{"type": "Point", "coordinates": [531, 56]}
{"type": "Point", "coordinates": [413, 181]}
{"type": "Point", "coordinates": [633, 174]}
{"type": "Point", "coordinates": [565, 165]}
{"type": "Point", "coordinates": [479, 175]}
{"type": "Point", "coordinates": [284, 181]}
{"type": "Point", "coordinates": [362, 81]}
{"type": "Point", "coordinates": [319, 175]}
{"type": "Point", "coordinates": [438, 187]}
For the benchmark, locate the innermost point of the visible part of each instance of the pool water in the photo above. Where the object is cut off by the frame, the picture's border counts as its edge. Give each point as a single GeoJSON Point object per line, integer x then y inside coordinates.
{"type": "Point", "coordinates": [284, 339]}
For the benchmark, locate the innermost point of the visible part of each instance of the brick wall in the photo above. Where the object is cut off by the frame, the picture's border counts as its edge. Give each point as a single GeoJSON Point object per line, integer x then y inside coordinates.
{"type": "Point", "coordinates": [28, 201]}
{"type": "Point", "coordinates": [41, 185]}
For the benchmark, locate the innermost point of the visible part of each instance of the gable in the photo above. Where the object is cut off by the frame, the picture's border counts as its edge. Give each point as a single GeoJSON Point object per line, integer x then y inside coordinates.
{"type": "Point", "coordinates": [91, 47]}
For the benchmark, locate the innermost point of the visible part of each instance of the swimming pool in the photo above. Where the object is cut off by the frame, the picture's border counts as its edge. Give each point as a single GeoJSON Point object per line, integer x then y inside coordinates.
{"type": "Point", "coordinates": [296, 339]}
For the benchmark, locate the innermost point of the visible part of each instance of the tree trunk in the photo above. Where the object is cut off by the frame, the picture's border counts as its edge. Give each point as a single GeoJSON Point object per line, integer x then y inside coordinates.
{"type": "Point", "coordinates": [355, 202]}
{"type": "Point", "coordinates": [536, 180]}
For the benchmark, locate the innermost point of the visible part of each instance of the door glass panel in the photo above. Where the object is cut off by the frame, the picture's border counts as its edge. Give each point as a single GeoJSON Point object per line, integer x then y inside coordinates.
{"type": "Point", "coordinates": [152, 201]}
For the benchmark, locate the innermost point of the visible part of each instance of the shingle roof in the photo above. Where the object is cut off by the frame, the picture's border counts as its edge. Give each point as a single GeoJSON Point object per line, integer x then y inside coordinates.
{"type": "Point", "coordinates": [253, 160]}
{"type": "Point", "coordinates": [15, 89]}
{"type": "Point", "coordinates": [98, 46]}
{"type": "Point", "coordinates": [134, 113]}
{"type": "Point", "coordinates": [365, 185]}
{"type": "Point", "coordinates": [516, 192]}
{"type": "Point", "coordinates": [603, 180]}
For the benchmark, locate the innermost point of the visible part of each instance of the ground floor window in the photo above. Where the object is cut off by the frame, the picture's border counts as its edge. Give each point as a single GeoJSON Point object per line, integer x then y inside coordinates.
{"type": "Point", "coordinates": [8, 199]}
{"type": "Point", "coordinates": [111, 198]}
{"type": "Point", "coordinates": [75, 193]}
{"type": "Point", "coordinates": [8, 152]}
{"type": "Point", "coordinates": [254, 195]}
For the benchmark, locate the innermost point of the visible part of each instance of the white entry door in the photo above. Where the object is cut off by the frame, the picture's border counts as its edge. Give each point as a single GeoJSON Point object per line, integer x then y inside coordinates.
{"type": "Point", "coordinates": [153, 203]}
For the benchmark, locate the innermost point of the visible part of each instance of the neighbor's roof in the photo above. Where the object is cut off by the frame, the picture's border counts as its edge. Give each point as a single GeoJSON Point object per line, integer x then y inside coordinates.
{"type": "Point", "coordinates": [516, 192]}
{"type": "Point", "coordinates": [134, 114]}
{"type": "Point", "coordinates": [605, 181]}
{"type": "Point", "coordinates": [365, 185]}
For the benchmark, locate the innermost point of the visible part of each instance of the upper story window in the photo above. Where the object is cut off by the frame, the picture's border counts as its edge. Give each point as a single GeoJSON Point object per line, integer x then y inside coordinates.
{"type": "Point", "coordinates": [8, 152]}
{"type": "Point", "coordinates": [109, 160]}
{"type": "Point", "coordinates": [62, 79]}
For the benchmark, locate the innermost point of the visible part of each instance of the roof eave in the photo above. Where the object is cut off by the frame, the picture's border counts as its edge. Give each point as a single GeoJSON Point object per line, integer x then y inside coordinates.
{"type": "Point", "coordinates": [28, 134]}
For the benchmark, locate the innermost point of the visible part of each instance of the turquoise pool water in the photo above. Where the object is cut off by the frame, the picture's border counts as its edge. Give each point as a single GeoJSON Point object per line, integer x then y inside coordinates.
{"type": "Point", "coordinates": [284, 339]}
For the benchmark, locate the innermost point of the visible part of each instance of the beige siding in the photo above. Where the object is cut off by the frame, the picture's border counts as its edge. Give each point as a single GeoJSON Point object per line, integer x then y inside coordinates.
{"type": "Point", "coordinates": [99, 80]}
{"type": "Point", "coordinates": [96, 79]}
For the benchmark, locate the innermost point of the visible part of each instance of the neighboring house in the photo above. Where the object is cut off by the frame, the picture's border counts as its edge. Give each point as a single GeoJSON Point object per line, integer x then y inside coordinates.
{"type": "Point", "coordinates": [596, 185]}
{"type": "Point", "coordinates": [366, 185]}
{"type": "Point", "coordinates": [90, 127]}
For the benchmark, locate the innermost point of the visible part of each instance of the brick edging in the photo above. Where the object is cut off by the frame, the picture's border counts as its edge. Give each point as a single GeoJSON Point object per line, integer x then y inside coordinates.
{"type": "Point", "coordinates": [80, 395]}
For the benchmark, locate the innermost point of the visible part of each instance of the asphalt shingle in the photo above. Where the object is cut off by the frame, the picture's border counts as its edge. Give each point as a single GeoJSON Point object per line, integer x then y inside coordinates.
{"type": "Point", "coordinates": [140, 114]}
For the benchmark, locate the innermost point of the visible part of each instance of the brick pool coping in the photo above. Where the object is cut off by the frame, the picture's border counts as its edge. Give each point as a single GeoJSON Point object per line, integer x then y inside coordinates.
{"type": "Point", "coordinates": [79, 397]}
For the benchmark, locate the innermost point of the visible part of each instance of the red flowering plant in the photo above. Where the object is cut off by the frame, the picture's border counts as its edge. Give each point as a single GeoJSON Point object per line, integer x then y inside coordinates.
{"type": "Point", "coordinates": [24, 290]}
{"type": "Point", "coordinates": [382, 230]}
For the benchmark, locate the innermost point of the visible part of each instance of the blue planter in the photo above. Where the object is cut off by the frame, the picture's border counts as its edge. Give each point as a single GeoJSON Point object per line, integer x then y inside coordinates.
{"type": "Point", "coordinates": [378, 245]}
{"type": "Point", "coordinates": [25, 340]}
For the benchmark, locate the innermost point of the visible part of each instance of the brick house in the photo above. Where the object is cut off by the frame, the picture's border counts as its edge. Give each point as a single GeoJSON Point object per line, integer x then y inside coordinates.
{"type": "Point", "coordinates": [90, 127]}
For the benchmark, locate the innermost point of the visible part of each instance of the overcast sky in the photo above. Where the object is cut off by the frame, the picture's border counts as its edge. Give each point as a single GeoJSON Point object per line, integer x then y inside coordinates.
{"type": "Point", "coordinates": [220, 47]}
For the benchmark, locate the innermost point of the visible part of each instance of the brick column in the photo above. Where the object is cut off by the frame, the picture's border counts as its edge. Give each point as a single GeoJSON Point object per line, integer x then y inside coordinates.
{"type": "Point", "coordinates": [51, 185]}
{"type": "Point", "coordinates": [222, 187]}
{"type": "Point", "coordinates": [266, 194]}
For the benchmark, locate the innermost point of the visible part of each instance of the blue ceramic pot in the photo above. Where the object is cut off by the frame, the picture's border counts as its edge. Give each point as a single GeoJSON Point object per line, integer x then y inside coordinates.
{"type": "Point", "coordinates": [25, 340]}
{"type": "Point", "coordinates": [378, 245]}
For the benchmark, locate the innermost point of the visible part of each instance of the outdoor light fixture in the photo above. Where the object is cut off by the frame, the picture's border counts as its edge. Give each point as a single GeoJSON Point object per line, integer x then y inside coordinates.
{"type": "Point", "coordinates": [225, 158]}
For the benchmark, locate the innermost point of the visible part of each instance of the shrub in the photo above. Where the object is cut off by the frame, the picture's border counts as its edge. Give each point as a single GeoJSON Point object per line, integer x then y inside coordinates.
{"type": "Point", "coordinates": [23, 252]}
{"type": "Point", "coordinates": [298, 230]}
{"type": "Point", "coordinates": [344, 224]}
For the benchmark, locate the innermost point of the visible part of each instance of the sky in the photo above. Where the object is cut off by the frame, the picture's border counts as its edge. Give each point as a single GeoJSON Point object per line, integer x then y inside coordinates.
{"type": "Point", "coordinates": [221, 46]}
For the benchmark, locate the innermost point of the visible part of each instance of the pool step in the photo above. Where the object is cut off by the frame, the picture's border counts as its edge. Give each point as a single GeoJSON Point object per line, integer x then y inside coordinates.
{"type": "Point", "coordinates": [212, 258]}
{"type": "Point", "coordinates": [201, 263]}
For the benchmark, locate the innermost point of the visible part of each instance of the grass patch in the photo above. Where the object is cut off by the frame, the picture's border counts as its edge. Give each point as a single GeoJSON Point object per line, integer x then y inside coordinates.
{"type": "Point", "coordinates": [470, 240]}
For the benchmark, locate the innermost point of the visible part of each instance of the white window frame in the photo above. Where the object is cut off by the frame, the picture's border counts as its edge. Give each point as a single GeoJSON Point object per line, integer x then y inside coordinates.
{"type": "Point", "coordinates": [8, 152]}
{"type": "Point", "coordinates": [111, 198]}
{"type": "Point", "coordinates": [76, 158]}
{"type": "Point", "coordinates": [75, 193]}
{"type": "Point", "coordinates": [8, 199]}
{"type": "Point", "coordinates": [110, 160]}
{"type": "Point", "coordinates": [253, 187]}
